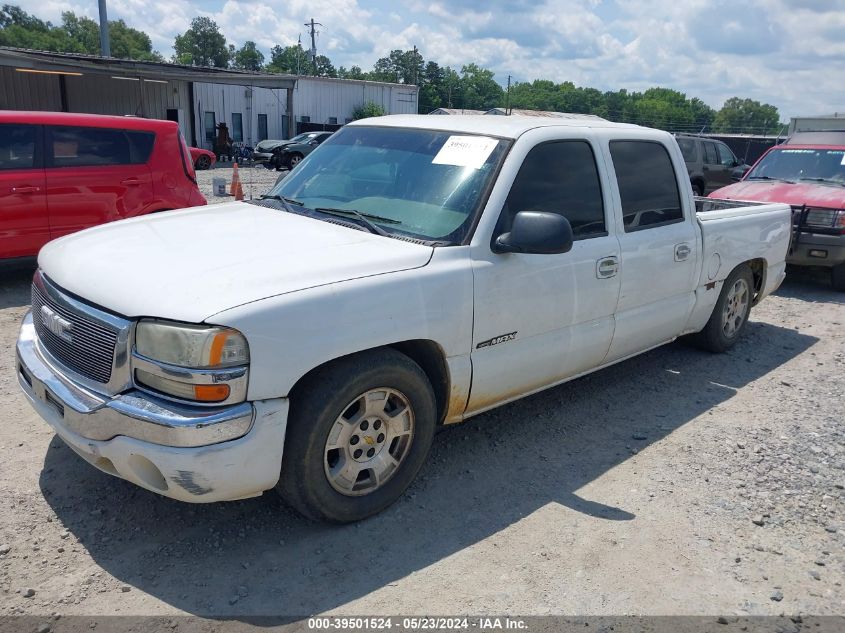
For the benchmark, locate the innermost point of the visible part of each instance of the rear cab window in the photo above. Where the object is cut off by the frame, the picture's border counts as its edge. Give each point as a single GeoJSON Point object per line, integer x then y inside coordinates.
{"type": "Point", "coordinates": [648, 185]}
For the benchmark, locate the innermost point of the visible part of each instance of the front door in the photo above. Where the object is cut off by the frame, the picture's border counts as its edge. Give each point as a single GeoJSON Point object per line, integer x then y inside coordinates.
{"type": "Point", "coordinates": [542, 318]}
{"type": "Point", "coordinates": [24, 226]}
{"type": "Point", "coordinates": [659, 249]}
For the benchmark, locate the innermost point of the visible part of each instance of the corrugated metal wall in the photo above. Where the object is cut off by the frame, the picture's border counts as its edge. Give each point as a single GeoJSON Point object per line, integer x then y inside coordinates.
{"type": "Point", "coordinates": [223, 100]}
{"type": "Point", "coordinates": [324, 99]}
{"type": "Point", "coordinates": [101, 94]}
{"type": "Point", "coordinates": [28, 91]}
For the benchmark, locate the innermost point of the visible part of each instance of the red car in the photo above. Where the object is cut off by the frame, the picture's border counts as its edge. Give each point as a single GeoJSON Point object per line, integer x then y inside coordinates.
{"type": "Point", "coordinates": [62, 172]}
{"type": "Point", "coordinates": [202, 158]}
{"type": "Point", "coordinates": [809, 176]}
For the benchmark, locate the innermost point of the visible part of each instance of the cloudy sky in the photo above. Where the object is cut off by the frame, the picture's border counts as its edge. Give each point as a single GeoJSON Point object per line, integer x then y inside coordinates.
{"type": "Point", "coordinates": [790, 53]}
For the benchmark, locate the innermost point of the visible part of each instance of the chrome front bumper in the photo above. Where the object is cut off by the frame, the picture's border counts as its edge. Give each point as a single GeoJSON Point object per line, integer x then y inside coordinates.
{"type": "Point", "coordinates": [191, 454]}
{"type": "Point", "coordinates": [131, 414]}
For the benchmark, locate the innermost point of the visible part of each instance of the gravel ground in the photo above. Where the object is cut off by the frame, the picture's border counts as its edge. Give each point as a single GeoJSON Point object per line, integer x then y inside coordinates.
{"type": "Point", "coordinates": [255, 180]}
{"type": "Point", "coordinates": [678, 482]}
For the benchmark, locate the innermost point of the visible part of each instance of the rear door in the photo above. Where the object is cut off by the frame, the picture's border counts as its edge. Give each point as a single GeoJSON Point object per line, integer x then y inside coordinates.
{"type": "Point", "coordinates": [24, 225]}
{"type": "Point", "coordinates": [659, 247]}
{"type": "Point", "coordinates": [716, 174]}
{"type": "Point", "coordinates": [95, 175]}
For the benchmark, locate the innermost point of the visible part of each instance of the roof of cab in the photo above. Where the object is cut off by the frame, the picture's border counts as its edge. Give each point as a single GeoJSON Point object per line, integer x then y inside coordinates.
{"type": "Point", "coordinates": [85, 120]}
{"type": "Point", "coordinates": [502, 126]}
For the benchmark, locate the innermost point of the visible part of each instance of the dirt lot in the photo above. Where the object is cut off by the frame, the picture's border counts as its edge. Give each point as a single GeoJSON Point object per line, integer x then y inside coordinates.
{"type": "Point", "coordinates": [676, 483]}
{"type": "Point", "coordinates": [255, 180]}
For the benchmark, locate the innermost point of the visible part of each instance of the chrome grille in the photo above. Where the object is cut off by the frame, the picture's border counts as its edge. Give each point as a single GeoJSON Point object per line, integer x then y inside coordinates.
{"type": "Point", "coordinates": [91, 350]}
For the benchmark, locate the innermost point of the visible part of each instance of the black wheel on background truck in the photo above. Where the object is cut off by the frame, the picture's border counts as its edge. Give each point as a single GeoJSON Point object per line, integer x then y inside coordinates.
{"type": "Point", "coordinates": [698, 189]}
{"type": "Point", "coordinates": [730, 314]}
{"type": "Point", "coordinates": [837, 277]}
{"type": "Point", "coordinates": [358, 433]}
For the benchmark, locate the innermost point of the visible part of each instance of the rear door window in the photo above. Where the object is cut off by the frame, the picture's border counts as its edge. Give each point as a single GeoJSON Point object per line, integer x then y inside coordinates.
{"type": "Point", "coordinates": [18, 145]}
{"type": "Point", "coordinates": [710, 156]}
{"type": "Point", "coordinates": [648, 185]}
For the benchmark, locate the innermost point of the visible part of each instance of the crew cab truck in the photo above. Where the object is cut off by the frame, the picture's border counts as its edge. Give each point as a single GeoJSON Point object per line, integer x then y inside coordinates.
{"type": "Point", "coordinates": [411, 272]}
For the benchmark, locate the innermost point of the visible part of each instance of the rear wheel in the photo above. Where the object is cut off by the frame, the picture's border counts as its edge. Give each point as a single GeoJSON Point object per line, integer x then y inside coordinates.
{"type": "Point", "coordinates": [203, 162]}
{"type": "Point", "coordinates": [837, 277]}
{"type": "Point", "coordinates": [698, 189]}
{"type": "Point", "coordinates": [358, 433]}
{"type": "Point", "coordinates": [730, 315]}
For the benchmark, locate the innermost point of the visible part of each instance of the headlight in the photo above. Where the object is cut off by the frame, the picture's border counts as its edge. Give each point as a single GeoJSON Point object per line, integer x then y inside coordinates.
{"type": "Point", "coordinates": [194, 346]}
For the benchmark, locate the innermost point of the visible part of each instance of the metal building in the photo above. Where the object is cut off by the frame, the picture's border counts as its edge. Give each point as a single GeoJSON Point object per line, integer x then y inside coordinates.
{"type": "Point", "coordinates": [254, 106]}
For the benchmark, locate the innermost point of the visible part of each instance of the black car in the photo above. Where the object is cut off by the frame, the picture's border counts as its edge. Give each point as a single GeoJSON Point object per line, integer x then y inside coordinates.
{"type": "Point", "coordinates": [710, 163]}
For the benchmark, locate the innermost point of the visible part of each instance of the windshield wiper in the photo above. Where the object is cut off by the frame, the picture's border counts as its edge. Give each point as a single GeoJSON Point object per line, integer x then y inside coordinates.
{"type": "Point", "coordinates": [285, 201]}
{"type": "Point", "coordinates": [826, 180]}
{"type": "Point", "coordinates": [364, 218]}
{"type": "Point", "coordinates": [791, 182]}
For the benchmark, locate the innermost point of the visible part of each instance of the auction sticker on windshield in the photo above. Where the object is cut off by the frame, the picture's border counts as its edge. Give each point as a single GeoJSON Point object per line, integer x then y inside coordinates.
{"type": "Point", "coordinates": [465, 151]}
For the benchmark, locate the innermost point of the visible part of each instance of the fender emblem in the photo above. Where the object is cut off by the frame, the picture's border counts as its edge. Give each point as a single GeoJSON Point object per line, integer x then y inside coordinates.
{"type": "Point", "coordinates": [503, 338]}
{"type": "Point", "coordinates": [56, 324]}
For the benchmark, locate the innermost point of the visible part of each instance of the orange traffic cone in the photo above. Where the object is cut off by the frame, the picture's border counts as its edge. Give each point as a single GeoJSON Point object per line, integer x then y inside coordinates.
{"type": "Point", "coordinates": [236, 189]}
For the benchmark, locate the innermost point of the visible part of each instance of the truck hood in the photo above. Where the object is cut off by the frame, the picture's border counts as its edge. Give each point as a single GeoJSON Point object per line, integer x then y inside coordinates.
{"type": "Point", "coordinates": [188, 265]}
{"type": "Point", "coordinates": [797, 194]}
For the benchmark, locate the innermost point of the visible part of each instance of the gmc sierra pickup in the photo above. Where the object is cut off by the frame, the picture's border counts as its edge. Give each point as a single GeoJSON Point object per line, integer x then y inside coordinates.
{"type": "Point", "coordinates": [412, 271]}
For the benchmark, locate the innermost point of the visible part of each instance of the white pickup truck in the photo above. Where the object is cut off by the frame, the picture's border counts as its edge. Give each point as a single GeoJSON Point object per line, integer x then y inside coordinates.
{"type": "Point", "coordinates": [411, 272]}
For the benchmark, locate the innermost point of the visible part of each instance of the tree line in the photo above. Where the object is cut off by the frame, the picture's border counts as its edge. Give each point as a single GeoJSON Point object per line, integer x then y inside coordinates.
{"type": "Point", "coordinates": [471, 87]}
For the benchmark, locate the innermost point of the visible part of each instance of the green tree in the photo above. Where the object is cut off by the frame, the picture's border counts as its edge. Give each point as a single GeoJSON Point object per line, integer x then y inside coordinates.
{"type": "Point", "coordinates": [747, 116]}
{"type": "Point", "coordinates": [351, 73]}
{"type": "Point", "coordinates": [480, 90]}
{"type": "Point", "coordinates": [325, 67]}
{"type": "Point", "coordinates": [202, 45]}
{"type": "Point", "coordinates": [76, 34]}
{"type": "Point", "coordinates": [290, 60]}
{"type": "Point", "coordinates": [406, 67]}
{"type": "Point", "coordinates": [366, 110]}
{"type": "Point", "coordinates": [248, 57]}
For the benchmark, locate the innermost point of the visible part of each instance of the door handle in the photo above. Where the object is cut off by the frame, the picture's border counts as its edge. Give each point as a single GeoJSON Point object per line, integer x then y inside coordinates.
{"type": "Point", "coordinates": [607, 267]}
{"type": "Point", "coordinates": [131, 182]}
{"type": "Point", "coordinates": [682, 251]}
{"type": "Point", "coordinates": [26, 189]}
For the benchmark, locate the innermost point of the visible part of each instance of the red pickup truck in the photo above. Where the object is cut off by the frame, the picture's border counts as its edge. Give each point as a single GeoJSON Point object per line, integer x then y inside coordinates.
{"type": "Point", "coordinates": [61, 172]}
{"type": "Point", "coordinates": [810, 177]}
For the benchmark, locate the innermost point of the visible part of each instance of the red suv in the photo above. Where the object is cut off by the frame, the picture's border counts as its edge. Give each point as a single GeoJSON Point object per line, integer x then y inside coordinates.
{"type": "Point", "coordinates": [60, 173]}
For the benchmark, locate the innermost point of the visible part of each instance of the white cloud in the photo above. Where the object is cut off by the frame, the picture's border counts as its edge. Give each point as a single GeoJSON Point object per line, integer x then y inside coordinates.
{"type": "Point", "coordinates": [786, 52]}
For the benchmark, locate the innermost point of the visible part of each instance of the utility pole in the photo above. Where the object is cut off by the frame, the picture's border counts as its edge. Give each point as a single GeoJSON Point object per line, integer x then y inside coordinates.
{"type": "Point", "coordinates": [105, 49]}
{"type": "Point", "coordinates": [313, 53]}
{"type": "Point", "coordinates": [508, 97]}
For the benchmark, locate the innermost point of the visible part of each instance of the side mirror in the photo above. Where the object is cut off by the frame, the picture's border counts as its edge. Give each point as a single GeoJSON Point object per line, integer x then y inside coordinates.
{"type": "Point", "coordinates": [536, 232]}
{"type": "Point", "coordinates": [737, 173]}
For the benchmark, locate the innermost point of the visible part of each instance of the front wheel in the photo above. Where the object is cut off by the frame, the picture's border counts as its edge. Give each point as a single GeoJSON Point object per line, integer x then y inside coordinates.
{"type": "Point", "coordinates": [358, 433]}
{"type": "Point", "coordinates": [203, 162]}
{"type": "Point", "coordinates": [293, 160]}
{"type": "Point", "coordinates": [730, 315]}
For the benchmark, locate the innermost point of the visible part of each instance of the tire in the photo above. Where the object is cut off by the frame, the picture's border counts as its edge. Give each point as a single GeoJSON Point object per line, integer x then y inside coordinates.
{"type": "Point", "coordinates": [203, 162]}
{"type": "Point", "coordinates": [268, 164]}
{"type": "Point", "coordinates": [730, 315]}
{"type": "Point", "coordinates": [837, 277]}
{"type": "Point", "coordinates": [328, 421]}
{"type": "Point", "coordinates": [293, 160]}
{"type": "Point", "coordinates": [698, 189]}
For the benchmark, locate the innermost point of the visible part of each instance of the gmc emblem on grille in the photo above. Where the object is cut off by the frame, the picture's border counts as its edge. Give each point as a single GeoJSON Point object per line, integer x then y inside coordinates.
{"type": "Point", "coordinates": [56, 324]}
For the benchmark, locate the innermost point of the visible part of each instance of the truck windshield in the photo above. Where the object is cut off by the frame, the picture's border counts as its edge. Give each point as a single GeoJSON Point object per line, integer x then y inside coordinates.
{"type": "Point", "coordinates": [422, 183]}
{"type": "Point", "coordinates": [826, 165]}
